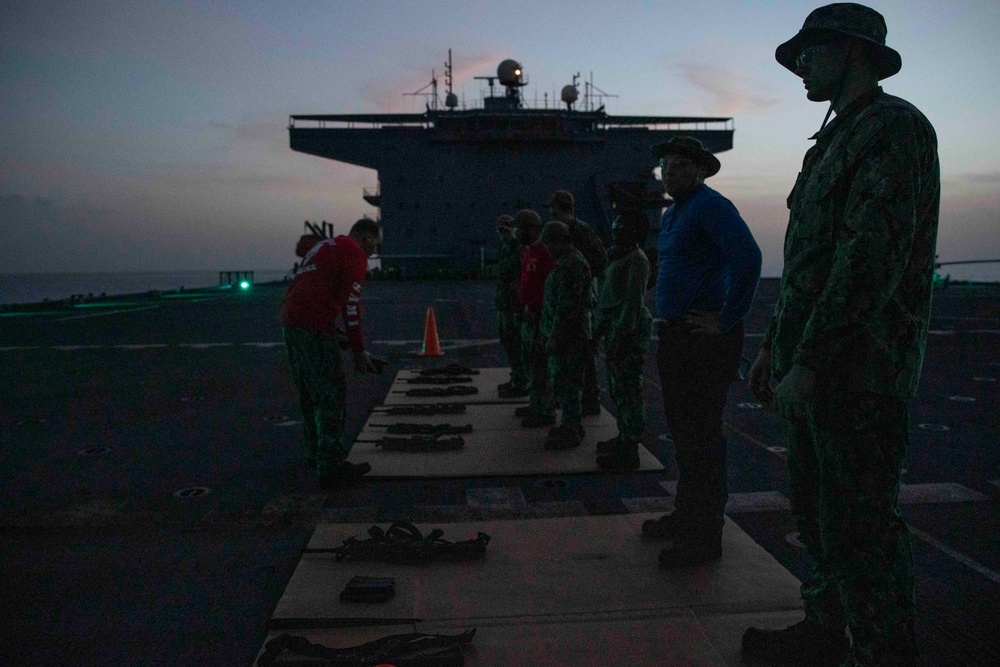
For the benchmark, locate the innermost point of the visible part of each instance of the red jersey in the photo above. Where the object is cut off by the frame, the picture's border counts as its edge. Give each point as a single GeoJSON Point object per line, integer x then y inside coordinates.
{"type": "Point", "coordinates": [536, 262]}
{"type": "Point", "coordinates": [327, 284]}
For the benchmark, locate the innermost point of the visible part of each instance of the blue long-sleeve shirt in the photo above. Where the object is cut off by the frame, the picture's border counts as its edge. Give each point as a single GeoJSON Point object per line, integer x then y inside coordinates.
{"type": "Point", "coordinates": [708, 259]}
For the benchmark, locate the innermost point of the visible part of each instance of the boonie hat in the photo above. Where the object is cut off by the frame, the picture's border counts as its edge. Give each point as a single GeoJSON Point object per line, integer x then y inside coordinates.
{"type": "Point", "coordinates": [562, 200]}
{"type": "Point", "coordinates": [555, 229]}
{"type": "Point", "coordinates": [843, 19]}
{"type": "Point", "coordinates": [690, 147]}
{"type": "Point", "coordinates": [527, 217]}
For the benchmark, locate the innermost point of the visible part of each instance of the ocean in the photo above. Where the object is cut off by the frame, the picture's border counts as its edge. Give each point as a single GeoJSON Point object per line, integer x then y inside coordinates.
{"type": "Point", "coordinates": [34, 287]}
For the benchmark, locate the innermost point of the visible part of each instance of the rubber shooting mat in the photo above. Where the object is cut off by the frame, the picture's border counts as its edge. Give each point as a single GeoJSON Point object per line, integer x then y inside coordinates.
{"type": "Point", "coordinates": [575, 590]}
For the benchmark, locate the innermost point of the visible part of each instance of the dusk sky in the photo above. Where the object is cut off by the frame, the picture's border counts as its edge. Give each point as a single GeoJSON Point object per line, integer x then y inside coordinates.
{"type": "Point", "coordinates": [140, 135]}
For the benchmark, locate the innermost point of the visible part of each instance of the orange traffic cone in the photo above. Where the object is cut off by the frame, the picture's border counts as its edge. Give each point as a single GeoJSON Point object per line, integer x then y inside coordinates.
{"type": "Point", "coordinates": [431, 347]}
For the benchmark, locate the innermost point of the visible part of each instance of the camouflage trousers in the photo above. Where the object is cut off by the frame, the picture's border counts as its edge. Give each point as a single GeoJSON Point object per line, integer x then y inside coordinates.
{"type": "Point", "coordinates": [533, 351]}
{"type": "Point", "coordinates": [844, 465]}
{"type": "Point", "coordinates": [566, 372]}
{"type": "Point", "coordinates": [318, 373]}
{"type": "Point", "coordinates": [509, 328]}
{"type": "Point", "coordinates": [625, 383]}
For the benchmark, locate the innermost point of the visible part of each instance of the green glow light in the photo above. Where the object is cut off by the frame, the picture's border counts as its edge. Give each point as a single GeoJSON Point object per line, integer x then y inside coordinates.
{"type": "Point", "coordinates": [245, 284]}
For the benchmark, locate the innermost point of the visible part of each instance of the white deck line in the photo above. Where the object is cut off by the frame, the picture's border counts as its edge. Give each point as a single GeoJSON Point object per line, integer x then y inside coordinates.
{"type": "Point", "coordinates": [109, 312]}
{"type": "Point", "coordinates": [960, 557]}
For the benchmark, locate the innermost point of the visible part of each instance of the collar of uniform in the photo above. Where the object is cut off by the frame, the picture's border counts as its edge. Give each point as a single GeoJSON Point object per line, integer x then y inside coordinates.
{"type": "Point", "coordinates": [850, 110]}
{"type": "Point", "coordinates": [689, 196]}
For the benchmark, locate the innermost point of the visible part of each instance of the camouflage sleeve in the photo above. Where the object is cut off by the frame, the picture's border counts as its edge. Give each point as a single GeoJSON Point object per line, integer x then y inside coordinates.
{"type": "Point", "coordinates": [765, 343]}
{"type": "Point", "coordinates": [571, 289]}
{"type": "Point", "coordinates": [598, 257]}
{"type": "Point", "coordinates": [627, 316]}
{"type": "Point", "coordinates": [874, 243]}
{"type": "Point", "coordinates": [590, 246]}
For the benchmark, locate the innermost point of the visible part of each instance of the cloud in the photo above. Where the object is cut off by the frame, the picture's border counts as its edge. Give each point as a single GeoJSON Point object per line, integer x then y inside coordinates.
{"type": "Point", "coordinates": [986, 178]}
{"type": "Point", "coordinates": [726, 92]}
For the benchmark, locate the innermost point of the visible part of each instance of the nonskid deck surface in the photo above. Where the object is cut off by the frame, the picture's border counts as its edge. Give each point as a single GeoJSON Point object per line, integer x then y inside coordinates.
{"type": "Point", "coordinates": [153, 472]}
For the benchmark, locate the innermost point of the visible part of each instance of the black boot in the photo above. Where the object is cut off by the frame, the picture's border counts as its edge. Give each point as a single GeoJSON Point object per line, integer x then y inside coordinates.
{"type": "Point", "coordinates": [805, 643]}
{"type": "Point", "coordinates": [536, 420]}
{"type": "Point", "coordinates": [666, 527]}
{"type": "Point", "coordinates": [513, 391]}
{"type": "Point", "coordinates": [624, 458]}
{"type": "Point", "coordinates": [343, 474]}
{"type": "Point", "coordinates": [689, 550]}
{"type": "Point", "coordinates": [565, 436]}
{"type": "Point", "coordinates": [609, 446]}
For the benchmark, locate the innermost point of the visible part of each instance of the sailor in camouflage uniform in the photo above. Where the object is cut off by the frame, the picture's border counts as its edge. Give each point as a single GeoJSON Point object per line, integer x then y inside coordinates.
{"type": "Point", "coordinates": [535, 266]}
{"type": "Point", "coordinates": [508, 317]}
{"type": "Point", "coordinates": [566, 328]}
{"type": "Point", "coordinates": [589, 244]}
{"type": "Point", "coordinates": [847, 340]}
{"type": "Point", "coordinates": [625, 327]}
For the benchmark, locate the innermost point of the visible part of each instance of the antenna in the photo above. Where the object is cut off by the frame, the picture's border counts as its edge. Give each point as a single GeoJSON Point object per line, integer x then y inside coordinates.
{"type": "Point", "coordinates": [451, 99]}
{"type": "Point", "coordinates": [433, 95]}
{"type": "Point", "coordinates": [589, 95]}
{"type": "Point", "coordinates": [488, 79]}
{"type": "Point", "coordinates": [447, 73]}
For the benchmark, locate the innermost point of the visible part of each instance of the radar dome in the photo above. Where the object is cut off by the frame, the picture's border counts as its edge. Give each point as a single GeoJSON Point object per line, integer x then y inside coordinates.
{"type": "Point", "coordinates": [451, 101]}
{"type": "Point", "coordinates": [509, 73]}
{"type": "Point", "coordinates": [570, 94]}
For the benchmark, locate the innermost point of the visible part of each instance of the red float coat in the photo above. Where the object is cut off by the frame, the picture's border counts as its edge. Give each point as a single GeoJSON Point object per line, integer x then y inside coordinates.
{"type": "Point", "coordinates": [536, 262]}
{"type": "Point", "coordinates": [327, 284]}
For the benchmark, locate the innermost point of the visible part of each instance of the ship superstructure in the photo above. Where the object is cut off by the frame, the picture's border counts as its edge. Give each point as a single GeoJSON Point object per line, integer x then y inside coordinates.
{"type": "Point", "coordinates": [445, 175]}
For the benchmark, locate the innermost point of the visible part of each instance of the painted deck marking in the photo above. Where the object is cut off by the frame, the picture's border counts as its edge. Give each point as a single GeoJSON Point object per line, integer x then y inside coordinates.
{"type": "Point", "coordinates": [941, 428]}
{"type": "Point", "coordinates": [949, 492]}
{"type": "Point", "coordinates": [960, 557]}
{"type": "Point", "coordinates": [760, 443]}
{"type": "Point", "coordinates": [757, 501]}
{"type": "Point", "coordinates": [110, 312]}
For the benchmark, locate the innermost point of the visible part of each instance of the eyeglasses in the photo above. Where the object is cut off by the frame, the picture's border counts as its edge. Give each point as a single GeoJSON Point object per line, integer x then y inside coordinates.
{"type": "Point", "coordinates": [808, 55]}
{"type": "Point", "coordinates": [675, 162]}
